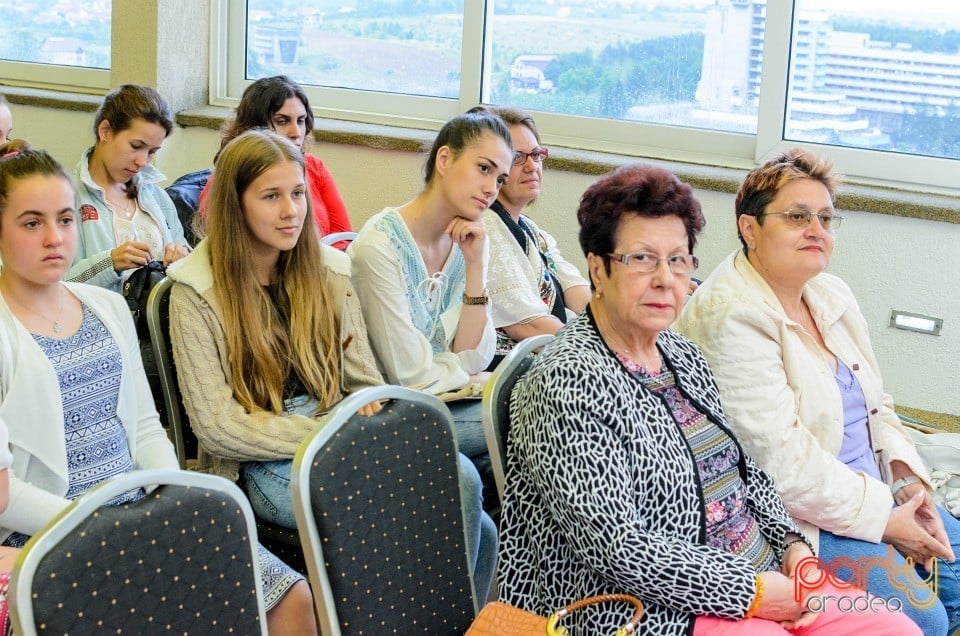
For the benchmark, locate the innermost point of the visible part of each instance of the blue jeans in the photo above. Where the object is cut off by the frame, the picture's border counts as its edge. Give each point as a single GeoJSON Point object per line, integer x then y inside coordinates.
{"type": "Point", "coordinates": [472, 442]}
{"type": "Point", "coordinates": [267, 484]}
{"type": "Point", "coordinates": [481, 532]}
{"type": "Point", "coordinates": [935, 616]}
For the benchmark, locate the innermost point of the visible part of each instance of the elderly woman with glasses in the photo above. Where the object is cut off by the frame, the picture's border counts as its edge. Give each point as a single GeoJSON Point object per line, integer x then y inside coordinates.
{"type": "Point", "coordinates": [622, 476]}
{"type": "Point", "coordinates": [802, 391]}
{"type": "Point", "coordinates": [533, 290]}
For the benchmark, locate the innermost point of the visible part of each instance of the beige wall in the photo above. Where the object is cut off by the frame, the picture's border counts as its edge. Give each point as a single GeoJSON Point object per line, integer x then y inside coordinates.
{"type": "Point", "coordinates": [890, 262]}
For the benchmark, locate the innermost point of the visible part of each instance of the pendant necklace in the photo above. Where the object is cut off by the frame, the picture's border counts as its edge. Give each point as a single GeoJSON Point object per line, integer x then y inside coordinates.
{"type": "Point", "coordinates": [57, 325]}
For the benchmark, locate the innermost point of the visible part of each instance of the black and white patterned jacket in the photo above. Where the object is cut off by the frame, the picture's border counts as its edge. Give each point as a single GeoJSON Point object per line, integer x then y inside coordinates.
{"type": "Point", "coordinates": [602, 492]}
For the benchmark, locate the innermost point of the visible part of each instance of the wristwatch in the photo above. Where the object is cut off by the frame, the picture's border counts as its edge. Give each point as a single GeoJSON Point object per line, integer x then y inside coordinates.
{"type": "Point", "coordinates": [477, 300]}
{"type": "Point", "coordinates": [903, 482]}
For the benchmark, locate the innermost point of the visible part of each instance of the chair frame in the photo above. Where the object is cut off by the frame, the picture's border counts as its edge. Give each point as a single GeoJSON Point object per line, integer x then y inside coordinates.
{"type": "Point", "coordinates": [161, 354]}
{"type": "Point", "coordinates": [493, 429]}
{"type": "Point", "coordinates": [332, 422]}
{"type": "Point", "coordinates": [336, 237]}
{"type": "Point", "coordinates": [44, 541]}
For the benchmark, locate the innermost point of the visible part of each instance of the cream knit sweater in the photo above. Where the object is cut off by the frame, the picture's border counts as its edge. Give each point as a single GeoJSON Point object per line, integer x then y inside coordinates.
{"type": "Point", "coordinates": [227, 433]}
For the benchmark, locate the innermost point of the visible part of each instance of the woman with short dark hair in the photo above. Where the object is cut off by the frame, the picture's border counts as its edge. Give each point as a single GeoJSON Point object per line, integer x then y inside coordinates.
{"type": "Point", "coordinates": [622, 476]}
{"type": "Point", "coordinates": [533, 289]}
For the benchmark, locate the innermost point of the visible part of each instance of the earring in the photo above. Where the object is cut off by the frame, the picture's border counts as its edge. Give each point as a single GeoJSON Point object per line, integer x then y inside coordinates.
{"type": "Point", "coordinates": [599, 294]}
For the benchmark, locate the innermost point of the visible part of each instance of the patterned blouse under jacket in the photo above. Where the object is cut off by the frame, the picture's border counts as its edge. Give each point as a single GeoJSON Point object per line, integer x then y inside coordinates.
{"type": "Point", "coordinates": [603, 493]}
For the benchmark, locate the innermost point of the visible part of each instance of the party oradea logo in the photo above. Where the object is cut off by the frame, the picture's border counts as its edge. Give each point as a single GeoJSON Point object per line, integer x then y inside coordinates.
{"type": "Point", "coordinates": [841, 582]}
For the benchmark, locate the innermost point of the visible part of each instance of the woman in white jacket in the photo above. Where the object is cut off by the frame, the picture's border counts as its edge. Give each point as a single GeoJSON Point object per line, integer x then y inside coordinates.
{"type": "Point", "coordinates": [802, 390]}
{"type": "Point", "coordinates": [72, 388]}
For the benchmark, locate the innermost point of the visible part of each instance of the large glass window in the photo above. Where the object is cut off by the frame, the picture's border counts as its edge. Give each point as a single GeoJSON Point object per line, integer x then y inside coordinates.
{"type": "Point", "coordinates": [623, 61]}
{"type": "Point", "coordinates": [629, 61]}
{"type": "Point", "coordinates": [56, 42]}
{"type": "Point", "coordinates": [721, 82]}
{"type": "Point", "coordinates": [394, 47]}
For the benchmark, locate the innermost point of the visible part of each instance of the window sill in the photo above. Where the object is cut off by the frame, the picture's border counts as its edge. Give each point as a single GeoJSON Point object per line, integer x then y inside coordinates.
{"type": "Point", "coordinates": [51, 99]}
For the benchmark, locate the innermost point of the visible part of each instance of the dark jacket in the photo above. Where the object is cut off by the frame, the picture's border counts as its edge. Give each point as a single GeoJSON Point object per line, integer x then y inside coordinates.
{"type": "Point", "coordinates": [603, 494]}
{"type": "Point", "coordinates": [185, 193]}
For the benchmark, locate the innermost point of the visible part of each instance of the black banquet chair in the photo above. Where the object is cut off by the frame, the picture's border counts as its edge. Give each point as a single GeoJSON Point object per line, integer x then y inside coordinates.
{"type": "Point", "coordinates": [377, 501]}
{"type": "Point", "coordinates": [183, 559]}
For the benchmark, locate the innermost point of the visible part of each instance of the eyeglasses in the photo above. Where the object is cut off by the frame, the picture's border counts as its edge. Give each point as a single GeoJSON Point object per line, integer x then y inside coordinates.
{"type": "Point", "coordinates": [643, 263]}
{"type": "Point", "coordinates": [803, 218]}
{"type": "Point", "coordinates": [538, 154]}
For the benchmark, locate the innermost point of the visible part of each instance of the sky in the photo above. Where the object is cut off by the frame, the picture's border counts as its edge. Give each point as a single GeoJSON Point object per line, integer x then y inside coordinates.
{"type": "Point", "coordinates": [938, 12]}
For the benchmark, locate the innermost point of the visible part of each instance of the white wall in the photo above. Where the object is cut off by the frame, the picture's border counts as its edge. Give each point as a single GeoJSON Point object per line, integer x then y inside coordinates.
{"type": "Point", "coordinates": [890, 262]}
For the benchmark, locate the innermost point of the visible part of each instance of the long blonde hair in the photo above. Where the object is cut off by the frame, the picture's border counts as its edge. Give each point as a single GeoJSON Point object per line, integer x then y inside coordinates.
{"type": "Point", "coordinates": [267, 341]}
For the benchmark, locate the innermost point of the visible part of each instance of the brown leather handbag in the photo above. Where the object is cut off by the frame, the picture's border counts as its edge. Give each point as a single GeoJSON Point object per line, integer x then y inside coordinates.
{"type": "Point", "coordinates": [500, 619]}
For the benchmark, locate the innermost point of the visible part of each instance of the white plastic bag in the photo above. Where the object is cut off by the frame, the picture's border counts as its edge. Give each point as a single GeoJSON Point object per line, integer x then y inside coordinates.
{"type": "Point", "coordinates": [941, 454]}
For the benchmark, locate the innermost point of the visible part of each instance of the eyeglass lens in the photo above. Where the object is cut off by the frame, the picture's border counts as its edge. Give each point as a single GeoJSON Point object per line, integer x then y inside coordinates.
{"type": "Point", "coordinates": [537, 154]}
{"type": "Point", "coordinates": [802, 219]}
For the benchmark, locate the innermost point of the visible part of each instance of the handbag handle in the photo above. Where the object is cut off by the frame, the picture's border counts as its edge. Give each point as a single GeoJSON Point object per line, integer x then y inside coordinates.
{"type": "Point", "coordinates": [629, 628]}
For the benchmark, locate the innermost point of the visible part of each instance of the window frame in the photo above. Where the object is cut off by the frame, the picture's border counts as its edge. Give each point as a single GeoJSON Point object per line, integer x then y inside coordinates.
{"type": "Point", "coordinates": [57, 77]}
{"type": "Point", "coordinates": [629, 138]}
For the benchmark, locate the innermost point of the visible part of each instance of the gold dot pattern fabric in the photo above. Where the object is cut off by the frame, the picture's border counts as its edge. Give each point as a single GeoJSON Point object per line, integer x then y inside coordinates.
{"type": "Point", "coordinates": [178, 561]}
{"type": "Point", "coordinates": [386, 497]}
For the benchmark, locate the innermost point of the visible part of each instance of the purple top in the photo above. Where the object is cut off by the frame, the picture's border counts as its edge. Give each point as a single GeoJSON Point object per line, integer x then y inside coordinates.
{"type": "Point", "coordinates": [855, 451]}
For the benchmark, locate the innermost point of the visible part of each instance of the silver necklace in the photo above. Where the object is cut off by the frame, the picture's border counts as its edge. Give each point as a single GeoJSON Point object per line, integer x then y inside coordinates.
{"type": "Point", "coordinates": [125, 211]}
{"type": "Point", "coordinates": [57, 325]}
{"type": "Point", "coordinates": [659, 362]}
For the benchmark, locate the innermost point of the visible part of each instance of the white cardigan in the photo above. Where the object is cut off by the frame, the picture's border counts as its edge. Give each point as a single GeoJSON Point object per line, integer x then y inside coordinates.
{"type": "Point", "coordinates": [32, 407]}
{"type": "Point", "coordinates": [782, 400]}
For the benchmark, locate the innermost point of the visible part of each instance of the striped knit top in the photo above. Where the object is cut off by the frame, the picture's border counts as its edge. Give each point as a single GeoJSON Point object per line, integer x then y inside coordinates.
{"type": "Point", "coordinates": [730, 524]}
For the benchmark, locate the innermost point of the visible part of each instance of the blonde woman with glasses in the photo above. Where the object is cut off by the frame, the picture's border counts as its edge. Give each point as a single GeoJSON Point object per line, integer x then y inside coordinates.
{"type": "Point", "coordinates": [803, 392]}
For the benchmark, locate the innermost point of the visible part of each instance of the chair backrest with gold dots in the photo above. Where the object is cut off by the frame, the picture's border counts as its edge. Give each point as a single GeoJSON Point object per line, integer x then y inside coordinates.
{"type": "Point", "coordinates": [182, 559]}
{"type": "Point", "coordinates": [377, 501]}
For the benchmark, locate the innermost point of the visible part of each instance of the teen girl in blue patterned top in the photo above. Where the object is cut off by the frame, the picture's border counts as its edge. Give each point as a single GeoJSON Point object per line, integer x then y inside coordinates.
{"type": "Point", "coordinates": [72, 388]}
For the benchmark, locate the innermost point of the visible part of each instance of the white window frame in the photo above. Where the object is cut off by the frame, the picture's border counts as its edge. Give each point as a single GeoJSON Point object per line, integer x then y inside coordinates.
{"type": "Point", "coordinates": [674, 143]}
{"type": "Point", "coordinates": [57, 77]}
{"type": "Point", "coordinates": [869, 167]}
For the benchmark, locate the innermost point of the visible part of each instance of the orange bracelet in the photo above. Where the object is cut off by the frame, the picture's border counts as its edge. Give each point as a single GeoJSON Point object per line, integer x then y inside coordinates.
{"type": "Point", "coordinates": [755, 605]}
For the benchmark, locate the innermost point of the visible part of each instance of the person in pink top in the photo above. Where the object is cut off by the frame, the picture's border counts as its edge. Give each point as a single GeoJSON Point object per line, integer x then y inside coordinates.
{"type": "Point", "coordinates": [281, 104]}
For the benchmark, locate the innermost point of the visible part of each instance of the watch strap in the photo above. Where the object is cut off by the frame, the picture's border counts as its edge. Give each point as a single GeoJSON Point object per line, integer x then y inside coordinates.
{"type": "Point", "coordinates": [903, 482]}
